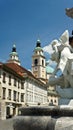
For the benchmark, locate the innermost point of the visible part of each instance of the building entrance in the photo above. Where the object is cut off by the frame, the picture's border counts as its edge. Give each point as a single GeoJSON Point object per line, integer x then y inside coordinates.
{"type": "Point", "coordinates": [8, 112]}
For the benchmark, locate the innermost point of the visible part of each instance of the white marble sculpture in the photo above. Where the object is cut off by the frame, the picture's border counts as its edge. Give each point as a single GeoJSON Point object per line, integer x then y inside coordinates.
{"type": "Point", "coordinates": [69, 12]}
{"type": "Point", "coordinates": [63, 55]}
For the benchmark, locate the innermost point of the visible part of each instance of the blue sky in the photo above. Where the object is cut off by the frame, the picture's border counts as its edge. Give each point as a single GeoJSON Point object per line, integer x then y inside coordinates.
{"type": "Point", "coordinates": [24, 21]}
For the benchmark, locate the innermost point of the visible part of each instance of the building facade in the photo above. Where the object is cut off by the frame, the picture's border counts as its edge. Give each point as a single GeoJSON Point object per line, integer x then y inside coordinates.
{"type": "Point", "coordinates": [39, 62]}
{"type": "Point", "coordinates": [12, 92]}
{"type": "Point", "coordinates": [52, 94]}
{"type": "Point", "coordinates": [19, 87]}
{"type": "Point", "coordinates": [43, 71]}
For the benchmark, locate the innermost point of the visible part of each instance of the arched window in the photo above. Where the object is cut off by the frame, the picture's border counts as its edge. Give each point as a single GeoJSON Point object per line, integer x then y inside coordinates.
{"type": "Point", "coordinates": [36, 62]}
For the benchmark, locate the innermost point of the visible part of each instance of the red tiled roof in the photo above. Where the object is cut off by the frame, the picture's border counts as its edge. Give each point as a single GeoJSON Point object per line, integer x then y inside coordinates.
{"type": "Point", "coordinates": [19, 70]}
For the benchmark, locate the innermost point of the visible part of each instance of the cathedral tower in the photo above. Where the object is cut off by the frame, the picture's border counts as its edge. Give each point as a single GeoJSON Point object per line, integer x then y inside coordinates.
{"type": "Point", "coordinates": [38, 62]}
{"type": "Point", "coordinates": [14, 56]}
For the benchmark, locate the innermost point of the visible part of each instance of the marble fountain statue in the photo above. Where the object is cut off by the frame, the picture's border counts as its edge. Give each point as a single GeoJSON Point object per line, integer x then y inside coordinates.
{"type": "Point", "coordinates": [53, 117]}
{"type": "Point", "coordinates": [69, 12]}
{"type": "Point", "coordinates": [62, 77]}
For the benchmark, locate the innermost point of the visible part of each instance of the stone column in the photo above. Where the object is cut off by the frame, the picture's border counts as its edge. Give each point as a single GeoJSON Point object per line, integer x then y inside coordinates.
{"type": "Point", "coordinates": [3, 110]}
{"type": "Point", "coordinates": [17, 110]}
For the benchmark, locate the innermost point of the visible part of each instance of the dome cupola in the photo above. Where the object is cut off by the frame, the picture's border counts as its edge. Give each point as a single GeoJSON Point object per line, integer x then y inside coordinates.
{"type": "Point", "coordinates": [14, 58]}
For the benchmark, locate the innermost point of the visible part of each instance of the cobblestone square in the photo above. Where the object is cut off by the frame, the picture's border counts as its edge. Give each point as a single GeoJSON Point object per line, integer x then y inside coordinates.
{"type": "Point", "coordinates": [6, 124]}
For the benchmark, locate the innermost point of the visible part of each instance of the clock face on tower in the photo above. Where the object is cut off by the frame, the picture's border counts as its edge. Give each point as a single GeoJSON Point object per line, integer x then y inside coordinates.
{"type": "Point", "coordinates": [36, 69]}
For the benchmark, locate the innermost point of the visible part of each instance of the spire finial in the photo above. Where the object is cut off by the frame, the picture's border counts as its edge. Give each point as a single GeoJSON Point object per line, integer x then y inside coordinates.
{"type": "Point", "coordinates": [14, 48]}
{"type": "Point", "coordinates": [38, 44]}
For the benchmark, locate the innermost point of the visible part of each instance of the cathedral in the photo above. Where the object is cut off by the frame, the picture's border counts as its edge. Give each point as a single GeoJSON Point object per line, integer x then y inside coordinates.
{"type": "Point", "coordinates": [20, 87]}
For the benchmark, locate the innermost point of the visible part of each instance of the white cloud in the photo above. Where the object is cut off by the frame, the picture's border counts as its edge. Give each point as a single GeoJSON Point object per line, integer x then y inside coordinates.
{"type": "Point", "coordinates": [51, 63]}
{"type": "Point", "coordinates": [48, 49]}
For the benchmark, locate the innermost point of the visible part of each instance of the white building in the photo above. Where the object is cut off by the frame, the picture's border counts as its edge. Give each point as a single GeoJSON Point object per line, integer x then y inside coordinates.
{"type": "Point", "coordinates": [52, 94]}
{"type": "Point", "coordinates": [43, 71]}
{"type": "Point", "coordinates": [39, 62]}
{"type": "Point", "coordinates": [18, 87]}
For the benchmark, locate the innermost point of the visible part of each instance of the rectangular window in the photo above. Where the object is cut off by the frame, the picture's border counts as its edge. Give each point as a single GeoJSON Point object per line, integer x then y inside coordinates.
{"type": "Point", "coordinates": [9, 79]}
{"type": "Point", "coordinates": [4, 93]}
{"type": "Point", "coordinates": [18, 84]}
{"type": "Point", "coordinates": [14, 95]}
{"type": "Point", "coordinates": [22, 85]}
{"type": "Point", "coordinates": [18, 97]}
{"type": "Point", "coordinates": [14, 81]}
{"type": "Point", "coordinates": [22, 97]}
{"type": "Point", "coordinates": [4, 77]}
{"type": "Point", "coordinates": [9, 94]}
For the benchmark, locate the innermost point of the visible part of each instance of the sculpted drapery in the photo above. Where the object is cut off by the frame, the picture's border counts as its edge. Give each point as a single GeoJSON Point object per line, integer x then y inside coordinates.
{"type": "Point", "coordinates": [63, 55]}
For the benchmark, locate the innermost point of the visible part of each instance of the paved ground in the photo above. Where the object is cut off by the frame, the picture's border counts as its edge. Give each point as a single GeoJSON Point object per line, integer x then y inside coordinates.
{"type": "Point", "coordinates": [6, 124]}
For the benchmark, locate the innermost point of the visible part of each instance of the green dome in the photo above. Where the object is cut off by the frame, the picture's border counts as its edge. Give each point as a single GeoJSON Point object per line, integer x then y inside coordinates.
{"type": "Point", "coordinates": [14, 53]}
{"type": "Point", "coordinates": [49, 69]}
{"type": "Point", "coordinates": [52, 92]}
{"type": "Point", "coordinates": [38, 49]}
{"type": "Point", "coordinates": [38, 46]}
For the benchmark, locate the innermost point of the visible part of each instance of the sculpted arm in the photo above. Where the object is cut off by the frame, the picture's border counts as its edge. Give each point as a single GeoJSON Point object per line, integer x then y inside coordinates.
{"type": "Point", "coordinates": [65, 55]}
